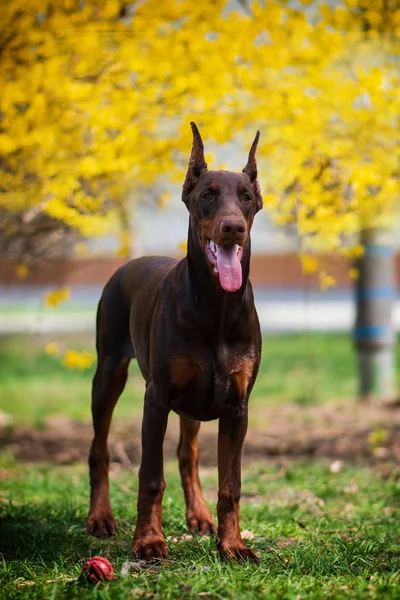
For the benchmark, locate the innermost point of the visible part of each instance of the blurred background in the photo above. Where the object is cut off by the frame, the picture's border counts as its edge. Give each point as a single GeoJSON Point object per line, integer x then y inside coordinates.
{"type": "Point", "coordinates": [95, 107]}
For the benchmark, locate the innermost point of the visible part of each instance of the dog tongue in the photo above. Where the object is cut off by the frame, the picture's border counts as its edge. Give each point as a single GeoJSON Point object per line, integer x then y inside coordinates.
{"type": "Point", "coordinates": [229, 268]}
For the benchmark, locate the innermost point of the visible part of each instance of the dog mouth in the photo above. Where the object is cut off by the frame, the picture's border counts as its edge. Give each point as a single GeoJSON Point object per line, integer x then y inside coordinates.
{"type": "Point", "coordinates": [226, 262]}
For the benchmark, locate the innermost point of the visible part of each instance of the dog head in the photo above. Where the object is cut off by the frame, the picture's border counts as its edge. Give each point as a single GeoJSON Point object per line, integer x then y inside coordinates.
{"type": "Point", "coordinates": [222, 205]}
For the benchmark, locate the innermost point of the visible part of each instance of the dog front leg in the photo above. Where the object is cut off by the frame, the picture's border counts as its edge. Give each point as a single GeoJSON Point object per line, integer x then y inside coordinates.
{"type": "Point", "coordinates": [198, 516]}
{"type": "Point", "coordinates": [148, 541]}
{"type": "Point", "coordinates": [232, 431]}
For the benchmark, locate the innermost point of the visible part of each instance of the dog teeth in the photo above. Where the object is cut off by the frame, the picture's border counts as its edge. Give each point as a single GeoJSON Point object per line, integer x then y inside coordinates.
{"type": "Point", "coordinates": [237, 248]}
{"type": "Point", "coordinates": [212, 246]}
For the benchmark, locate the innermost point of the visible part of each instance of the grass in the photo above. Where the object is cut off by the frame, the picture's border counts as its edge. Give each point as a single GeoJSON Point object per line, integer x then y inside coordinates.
{"type": "Point", "coordinates": [318, 534]}
{"type": "Point", "coordinates": [28, 372]}
{"type": "Point", "coordinates": [42, 309]}
{"type": "Point", "coordinates": [302, 369]}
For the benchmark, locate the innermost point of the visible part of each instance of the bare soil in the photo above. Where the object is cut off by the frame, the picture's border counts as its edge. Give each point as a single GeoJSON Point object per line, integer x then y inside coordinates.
{"type": "Point", "coordinates": [351, 432]}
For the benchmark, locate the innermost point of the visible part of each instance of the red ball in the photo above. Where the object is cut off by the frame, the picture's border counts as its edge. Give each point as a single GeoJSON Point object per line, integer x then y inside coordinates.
{"type": "Point", "coordinates": [98, 568]}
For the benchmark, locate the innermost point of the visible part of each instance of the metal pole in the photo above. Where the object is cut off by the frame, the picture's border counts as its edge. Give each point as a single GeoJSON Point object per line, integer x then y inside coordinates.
{"type": "Point", "coordinates": [374, 329]}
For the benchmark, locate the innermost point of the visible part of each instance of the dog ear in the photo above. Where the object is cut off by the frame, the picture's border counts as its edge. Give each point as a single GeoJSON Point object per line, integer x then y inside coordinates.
{"type": "Point", "coordinates": [251, 170]}
{"type": "Point", "coordinates": [197, 164]}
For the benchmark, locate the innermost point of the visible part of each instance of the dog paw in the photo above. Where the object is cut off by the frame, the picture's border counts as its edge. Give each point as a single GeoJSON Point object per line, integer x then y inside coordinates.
{"type": "Point", "coordinates": [101, 525]}
{"type": "Point", "coordinates": [236, 551]}
{"type": "Point", "coordinates": [202, 524]}
{"type": "Point", "coordinates": [149, 549]}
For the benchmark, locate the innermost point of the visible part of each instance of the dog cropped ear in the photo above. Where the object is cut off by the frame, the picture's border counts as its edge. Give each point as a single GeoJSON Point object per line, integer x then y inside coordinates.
{"type": "Point", "coordinates": [251, 170]}
{"type": "Point", "coordinates": [197, 164]}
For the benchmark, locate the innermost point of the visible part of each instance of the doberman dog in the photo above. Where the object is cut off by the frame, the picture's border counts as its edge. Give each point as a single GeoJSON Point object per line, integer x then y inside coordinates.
{"type": "Point", "coordinates": [193, 328]}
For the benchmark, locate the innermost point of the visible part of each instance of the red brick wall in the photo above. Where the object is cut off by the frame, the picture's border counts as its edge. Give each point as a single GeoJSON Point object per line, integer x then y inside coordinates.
{"type": "Point", "coordinates": [274, 270]}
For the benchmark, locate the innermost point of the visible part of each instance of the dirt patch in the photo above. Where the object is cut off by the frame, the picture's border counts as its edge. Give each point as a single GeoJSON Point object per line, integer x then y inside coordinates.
{"type": "Point", "coordinates": [352, 432]}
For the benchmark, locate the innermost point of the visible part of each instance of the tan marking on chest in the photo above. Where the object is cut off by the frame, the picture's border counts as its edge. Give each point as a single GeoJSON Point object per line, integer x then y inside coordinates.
{"type": "Point", "coordinates": [183, 371]}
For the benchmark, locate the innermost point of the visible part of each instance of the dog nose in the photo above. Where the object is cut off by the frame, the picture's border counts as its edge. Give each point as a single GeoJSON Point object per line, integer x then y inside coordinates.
{"type": "Point", "coordinates": [233, 228]}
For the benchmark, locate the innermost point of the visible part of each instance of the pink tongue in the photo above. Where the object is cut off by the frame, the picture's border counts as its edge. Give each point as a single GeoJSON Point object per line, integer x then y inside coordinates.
{"type": "Point", "coordinates": [229, 268]}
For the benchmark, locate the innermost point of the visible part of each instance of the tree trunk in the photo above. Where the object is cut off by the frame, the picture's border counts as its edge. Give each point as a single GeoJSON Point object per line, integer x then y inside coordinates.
{"type": "Point", "coordinates": [374, 329]}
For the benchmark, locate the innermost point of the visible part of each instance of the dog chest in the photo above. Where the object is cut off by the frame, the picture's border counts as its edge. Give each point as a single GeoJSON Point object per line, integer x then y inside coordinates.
{"type": "Point", "coordinates": [204, 389]}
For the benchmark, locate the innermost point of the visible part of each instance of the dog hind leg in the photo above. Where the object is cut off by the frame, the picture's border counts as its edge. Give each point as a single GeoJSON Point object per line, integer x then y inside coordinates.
{"type": "Point", "coordinates": [114, 354]}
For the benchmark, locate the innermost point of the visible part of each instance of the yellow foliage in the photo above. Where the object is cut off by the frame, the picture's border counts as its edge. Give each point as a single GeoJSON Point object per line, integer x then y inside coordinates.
{"type": "Point", "coordinates": [52, 348]}
{"type": "Point", "coordinates": [163, 199]}
{"type": "Point", "coordinates": [57, 297]}
{"type": "Point", "coordinates": [96, 99]}
{"type": "Point", "coordinates": [309, 263]}
{"type": "Point", "coordinates": [354, 273]}
{"type": "Point", "coordinates": [355, 251]}
{"type": "Point", "coordinates": [326, 281]}
{"type": "Point", "coordinates": [183, 247]}
{"type": "Point", "coordinates": [81, 249]}
{"type": "Point", "coordinates": [78, 360]}
{"type": "Point", "coordinates": [377, 437]}
{"type": "Point", "coordinates": [22, 271]}
{"type": "Point", "coordinates": [124, 243]}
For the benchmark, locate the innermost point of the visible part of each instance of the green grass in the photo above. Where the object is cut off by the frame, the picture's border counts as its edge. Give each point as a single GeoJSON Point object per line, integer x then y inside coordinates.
{"type": "Point", "coordinates": [43, 309]}
{"type": "Point", "coordinates": [35, 385]}
{"type": "Point", "coordinates": [318, 535]}
{"type": "Point", "coordinates": [302, 369]}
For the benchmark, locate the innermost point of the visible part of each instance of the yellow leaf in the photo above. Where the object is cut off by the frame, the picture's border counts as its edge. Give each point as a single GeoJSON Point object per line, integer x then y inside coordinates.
{"type": "Point", "coordinates": [81, 249]}
{"type": "Point", "coordinates": [22, 271]}
{"type": "Point", "coordinates": [183, 247]}
{"type": "Point", "coordinates": [52, 348]}
{"type": "Point", "coordinates": [124, 250]}
{"type": "Point", "coordinates": [163, 199]}
{"type": "Point", "coordinates": [57, 297]}
{"type": "Point", "coordinates": [354, 273]}
{"type": "Point", "coordinates": [78, 360]}
{"type": "Point", "coordinates": [326, 281]}
{"type": "Point", "coordinates": [309, 263]}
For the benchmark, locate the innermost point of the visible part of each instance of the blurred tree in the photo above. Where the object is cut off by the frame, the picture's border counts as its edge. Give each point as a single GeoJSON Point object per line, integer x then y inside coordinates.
{"type": "Point", "coordinates": [96, 96]}
{"type": "Point", "coordinates": [332, 117]}
{"type": "Point", "coordinates": [84, 89]}
{"type": "Point", "coordinates": [334, 149]}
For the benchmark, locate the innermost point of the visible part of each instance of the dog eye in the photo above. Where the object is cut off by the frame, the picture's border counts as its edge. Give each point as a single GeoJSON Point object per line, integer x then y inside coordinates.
{"type": "Point", "coordinates": [246, 197]}
{"type": "Point", "coordinates": [208, 196]}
